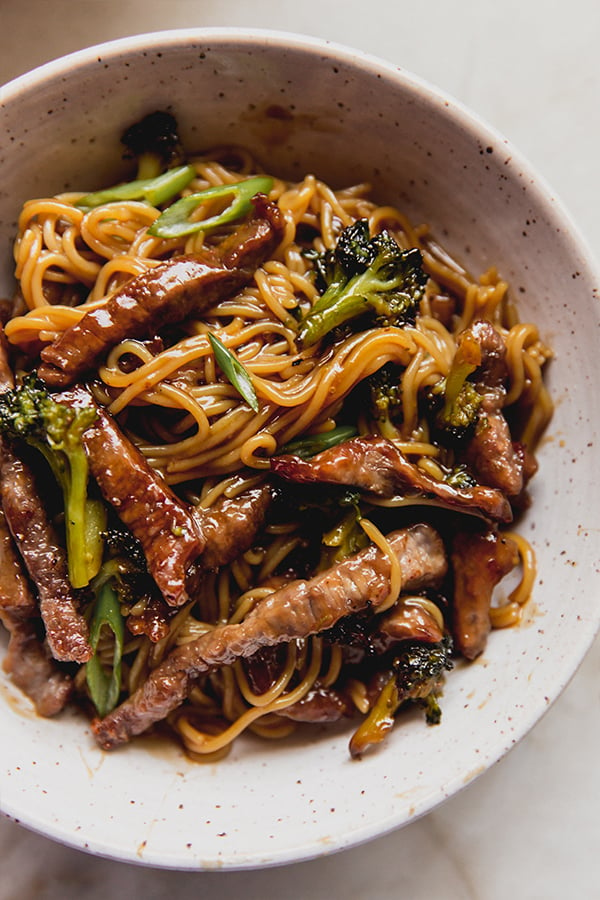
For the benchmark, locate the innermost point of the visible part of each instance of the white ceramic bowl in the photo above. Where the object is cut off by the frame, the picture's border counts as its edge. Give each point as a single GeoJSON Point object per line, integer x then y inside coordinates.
{"type": "Point", "coordinates": [304, 105]}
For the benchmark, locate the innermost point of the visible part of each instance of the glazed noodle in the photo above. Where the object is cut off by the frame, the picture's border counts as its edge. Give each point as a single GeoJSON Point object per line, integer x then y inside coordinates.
{"type": "Point", "coordinates": [189, 421]}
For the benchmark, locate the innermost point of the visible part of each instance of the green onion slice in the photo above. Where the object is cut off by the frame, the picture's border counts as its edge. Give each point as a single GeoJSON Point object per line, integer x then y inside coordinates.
{"type": "Point", "coordinates": [233, 369]}
{"type": "Point", "coordinates": [175, 222]}
{"type": "Point", "coordinates": [105, 686]}
{"type": "Point", "coordinates": [315, 443]}
{"type": "Point", "coordinates": [154, 191]}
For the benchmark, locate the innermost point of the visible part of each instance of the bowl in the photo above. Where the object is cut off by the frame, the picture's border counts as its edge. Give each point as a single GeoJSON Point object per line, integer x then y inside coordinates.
{"type": "Point", "coordinates": [302, 105]}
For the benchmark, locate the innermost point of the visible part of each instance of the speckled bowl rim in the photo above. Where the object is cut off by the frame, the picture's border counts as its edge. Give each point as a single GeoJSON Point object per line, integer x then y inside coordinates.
{"type": "Point", "coordinates": [543, 195]}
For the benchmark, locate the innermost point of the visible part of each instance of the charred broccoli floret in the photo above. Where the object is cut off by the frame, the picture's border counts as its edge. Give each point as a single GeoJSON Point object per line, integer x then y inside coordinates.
{"type": "Point", "coordinates": [154, 143]}
{"type": "Point", "coordinates": [455, 400]}
{"type": "Point", "coordinates": [417, 673]}
{"type": "Point", "coordinates": [155, 146]}
{"type": "Point", "coordinates": [365, 276]}
{"type": "Point", "coordinates": [385, 399]}
{"type": "Point", "coordinates": [30, 413]}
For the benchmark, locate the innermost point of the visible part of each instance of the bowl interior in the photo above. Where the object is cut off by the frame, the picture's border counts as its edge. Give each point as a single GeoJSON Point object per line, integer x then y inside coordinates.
{"type": "Point", "coordinates": [306, 106]}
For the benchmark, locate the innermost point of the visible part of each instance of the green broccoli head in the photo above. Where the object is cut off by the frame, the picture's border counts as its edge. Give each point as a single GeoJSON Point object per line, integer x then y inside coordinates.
{"type": "Point", "coordinates": [385, 399]}
{"type": "Point", "coordinates": [365, 277]}
{"type": "Point", "coordinates": [420, 667]}
{"type": "Point", "coordinates": [455, 401]}
{"type": "Point", "coordinates": [154, 142]}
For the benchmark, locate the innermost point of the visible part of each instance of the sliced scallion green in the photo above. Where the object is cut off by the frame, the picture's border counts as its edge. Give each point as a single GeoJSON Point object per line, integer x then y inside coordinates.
{"type": "Point", "coordinates": [105, 685]}
{"type": "Point", "coordinates": [175, 222]}
{"type": "Point", "coordinates": [154, 191]}
{"type": "Point", "coordinates": [315, 443]}
{"type": "Point", "coordinates": [233, 369]}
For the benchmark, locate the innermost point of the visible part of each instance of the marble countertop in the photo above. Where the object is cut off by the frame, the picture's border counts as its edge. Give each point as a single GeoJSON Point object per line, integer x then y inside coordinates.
{"type": "Point", "coordinates": [529, 827]}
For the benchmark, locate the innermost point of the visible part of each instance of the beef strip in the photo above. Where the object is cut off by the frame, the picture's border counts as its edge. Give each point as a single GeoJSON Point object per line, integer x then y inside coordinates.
{"type": "Point", "coordinates": [479, 562]}
{"type": "Point", "coordinates": [231, 525]}
{"type": "Point", "coordinates": [406, 621]}
{"type": "Point", "coordinates": [162, 296]}
{"type": "Point", "coordinates": [320, 705]}
{"type": "Point", "coordinates": [297, 610]}
{"type": "Point", "coordinates": [31, 667]}
{"type": "Point", "coordinates": [169, 533]}
{"type": "Point", "coordinates": [376, 465]}
{"type": "Point", "coordinates": [45, 559]}
{"type": "Point", "coordinates": [27, 660]}
{"type": "Point", "coordinates": [491, 454]}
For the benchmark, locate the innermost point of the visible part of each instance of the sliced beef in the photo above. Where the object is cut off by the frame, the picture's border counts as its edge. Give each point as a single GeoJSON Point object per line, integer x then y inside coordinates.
{"type": "Point", "coordinates": [377, 466]}
{"type": "Point", "coordinates": [320, 705]}
{"type": "Point", "coordinates": [162, 296]}
{"type": "Point", "coordinates": [479, 562]}
{"type": "Point", "coordinates": [31, 667]}
{"type": "Point", "coordinates": [408, 620]}
{"type": "Point", "coordinates": [297, 610]}
{"type": "Point", "coordinates": [231, 525]}
{"type": "Point", "coordinates": [27, 660]}
{"type": "Point", "coordinates": [166, 528]}
{"type": "Point", "coordinates": [491, 454]}
{"type": "Point", "coordinates": [45, 559]}
{"type": "Point", "coordinates": [153, 620]}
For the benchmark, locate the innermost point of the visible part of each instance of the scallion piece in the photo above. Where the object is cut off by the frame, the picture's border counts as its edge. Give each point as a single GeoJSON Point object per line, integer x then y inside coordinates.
{"type": "Point", "coordinates": [154, 191]}
{"type": "Point", "coordinates": [315, 443]}
{"type": "Point", "coordinates": [105, 685]}
{"type": "Point", "coordinates": [175, 222]}
{"type": "Point", "coordinates": [233, 369]}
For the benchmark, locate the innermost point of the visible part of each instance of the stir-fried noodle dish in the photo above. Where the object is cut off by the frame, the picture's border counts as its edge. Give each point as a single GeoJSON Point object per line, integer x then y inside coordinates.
{"type": "Point", "coordinates": [264, 445]}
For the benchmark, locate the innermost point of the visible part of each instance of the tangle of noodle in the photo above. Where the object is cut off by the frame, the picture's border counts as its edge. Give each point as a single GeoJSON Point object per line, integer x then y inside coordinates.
{"type": "Point", "coordinates": [192, 426]}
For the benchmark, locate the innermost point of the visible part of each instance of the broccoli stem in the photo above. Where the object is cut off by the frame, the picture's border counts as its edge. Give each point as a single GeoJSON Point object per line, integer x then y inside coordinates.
{"type": "Point", "coordinates": [85, 517]}
{"type": "Point", "coordinates": [330, 311]}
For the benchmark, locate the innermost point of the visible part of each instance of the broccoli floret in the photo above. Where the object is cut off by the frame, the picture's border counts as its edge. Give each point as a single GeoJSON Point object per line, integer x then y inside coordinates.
{"type": "Point", "coordinates": [455, 400]}
{"type": "Point", "coordinates": [417, 673]}
{"type": "Point", "coordinates": [460, 477]}
{"type": "Point", "coordinates": [154, 143]}
{"type": "Point", "coordinates": [385, 400]}
{"type": "Point", "coordinates": [347, 535]}
{"type": "Point", "coordinates": [420, 668]}
{"type": "Point", "coordinates": [30, 413]}
{"type": "Point", "coordinates": [365, 275]}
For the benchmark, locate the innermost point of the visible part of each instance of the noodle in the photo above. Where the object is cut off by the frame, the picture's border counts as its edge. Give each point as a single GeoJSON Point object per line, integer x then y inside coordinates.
{"type": "Point", "coordinates": [192, 427]}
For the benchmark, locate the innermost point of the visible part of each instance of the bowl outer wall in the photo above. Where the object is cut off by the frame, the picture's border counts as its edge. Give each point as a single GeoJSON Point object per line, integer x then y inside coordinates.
{"type": "Point", "coordinates": [305, 105]}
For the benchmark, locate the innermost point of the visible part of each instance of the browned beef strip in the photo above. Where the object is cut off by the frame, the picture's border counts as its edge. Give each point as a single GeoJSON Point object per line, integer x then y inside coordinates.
{"type": "Point", "coordinates": [169, 533]}
{"type": "Point", "coordinates": [162, 296]}
{"type": "Point", "coordinates": [321, 704]}
{"type": "Point", "coordinates": [15, 589]}
{"type": "Point", "coordinates": [31, 667]}
{"type": "Point", "coordinates": [493, 370]}
{"type": "Point", "coordinates": [491, 454]}
{"type": "Point", "coordinates": [231, 525]}
{"type": "Point", "coordinates": [479, 562]}
{"type": "Point", "coordinates": [377, 466]}
{"type": "Point", "coordinates": [153, 620]}
{"type": "Point", "coordinates": [297, 610]}
{"type": "Point", "coordinates": [407, 621]}
{"type": "Point", "coordinates": [45, 559]}
{"type": "Point", "coordinates": [27, 661]}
